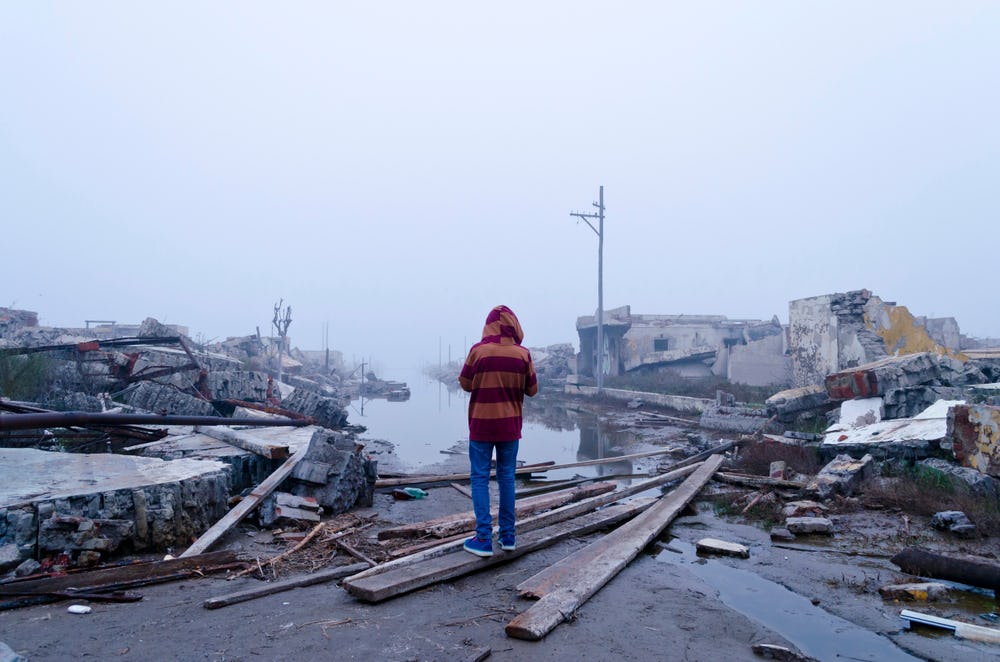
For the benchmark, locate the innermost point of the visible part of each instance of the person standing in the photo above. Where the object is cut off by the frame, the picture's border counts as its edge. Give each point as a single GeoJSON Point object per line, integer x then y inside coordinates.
{"type": "Point", "coordinates": [498, 373]}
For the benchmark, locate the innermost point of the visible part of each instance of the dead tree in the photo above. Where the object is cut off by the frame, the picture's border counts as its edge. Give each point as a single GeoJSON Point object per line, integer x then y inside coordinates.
{"type": "Point", "coordinates": [281, 322]}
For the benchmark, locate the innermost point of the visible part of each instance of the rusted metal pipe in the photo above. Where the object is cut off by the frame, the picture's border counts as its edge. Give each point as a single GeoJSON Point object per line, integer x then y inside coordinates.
{"type": "Point", "coordinates": [84, 418]}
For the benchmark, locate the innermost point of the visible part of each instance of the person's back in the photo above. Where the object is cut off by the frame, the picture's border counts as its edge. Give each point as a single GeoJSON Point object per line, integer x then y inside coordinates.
{"type": "Point", "coordinates": [498, 373]}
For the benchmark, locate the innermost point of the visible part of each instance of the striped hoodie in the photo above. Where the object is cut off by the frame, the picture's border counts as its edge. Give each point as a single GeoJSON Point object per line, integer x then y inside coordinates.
{"type": "Point", "coordinates": [498, 373]}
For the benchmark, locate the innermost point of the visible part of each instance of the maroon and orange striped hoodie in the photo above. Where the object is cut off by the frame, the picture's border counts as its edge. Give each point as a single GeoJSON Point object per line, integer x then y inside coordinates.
{"type": "Point", "coordinates": [498, 373]}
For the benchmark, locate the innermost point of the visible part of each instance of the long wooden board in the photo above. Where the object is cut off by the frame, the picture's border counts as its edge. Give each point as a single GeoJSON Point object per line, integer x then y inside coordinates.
{"type": "Point", "coordinates": [271, 588]}
{"type": "Point", "coordinates": [246, 506]}
{"type": "Point", "coordinates": [544, 519]}
{"type": "Point", "coordinates": [411, 480]}
{"type": "Point", "coordinates": [593, 570]}
{"type": "Point", "coordinates": [449, 525]}
{"type": "Point", "coordinates": [388, 584]}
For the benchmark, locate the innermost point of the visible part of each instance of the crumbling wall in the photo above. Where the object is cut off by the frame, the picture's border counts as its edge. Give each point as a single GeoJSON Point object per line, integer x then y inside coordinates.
{"type": "Point", "coordinates": [813, 346]}
{"type": "Point", "coordinates": [12, 320]}
{"type": "Point", "coordinates": [760, 363]}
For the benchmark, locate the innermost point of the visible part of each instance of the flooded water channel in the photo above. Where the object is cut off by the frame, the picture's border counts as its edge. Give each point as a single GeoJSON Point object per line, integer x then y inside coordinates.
{"type": "Point", "coordinates": [433, 423]}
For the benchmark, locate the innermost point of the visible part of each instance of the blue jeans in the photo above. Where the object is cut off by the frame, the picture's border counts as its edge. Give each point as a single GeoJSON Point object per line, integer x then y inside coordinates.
{"type": "Point", "coordinates": [480, 453]}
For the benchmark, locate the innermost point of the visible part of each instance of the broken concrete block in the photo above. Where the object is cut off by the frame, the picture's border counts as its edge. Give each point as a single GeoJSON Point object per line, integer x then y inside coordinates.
{"type": "Point", "coordinates": [922, 592]}
{"type": "Point", "coordinates": [954, 521]}
{"type": "Point", "coordinates": [974, 432]}
{"type": "Point", "coordinates": [27, 567]}
{"type": "Point", "coordinates": [778, 470]}
{"type": "Point", "coordinates": [860, 412]}
{"type": "Point", "coordinates": [843, 475]}
{"type": "Point", "coordinates": [326, 411]}
{"type": "Point", "coordinates": [780, 653]}
{"type": "Point", "coordinates": [976, 482]}
{"type": "Point", "coordinates": [803, 509]}
{"type": "Point", "coordinates": [714, 546]}
{"type": "Point", "coordinates": [877, 378]}
{"type": "Point", "coordinates": [789, 404]}
{"type": "Point", "coordinates": [350, 475]}
{"type": "Point", "coordinates": [799, 525]}
{"type": "Point", "coordinates": [10, 556]}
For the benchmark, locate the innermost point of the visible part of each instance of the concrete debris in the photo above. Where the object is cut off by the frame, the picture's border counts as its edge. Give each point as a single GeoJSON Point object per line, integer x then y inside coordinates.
{"type": "Point", "coordinates": [782, 535]}
{"type": "Point", "coordinates": [974, 481]}
{"type": "Point", "coordinates": [326, 411]}
{"type": "Point", "coordinates": [780, 653]}
{"type": "Point", "coordinates": [919, 592]}
{"type": "Point", "coordinates": [919, 436]}
{"type": "Point", "coordinates": [335, 473]}
{"type": "Point", "coordinates": [7, 654]}
{"type": "Point", "coordinates": [800, 525]}
{"type": "Point", "coordinates": [954, 521]}
{"type": "Point", "coordinates": [803, 509]}
{"type": "Point", "coordinates": [843, 475]}
{"type": "Point", "coordinates": [164, 399]}
{"type": "Point", "coordinates": [800, 406]}
{"type": "Point", "coordinates": [744, 420]}
{"type": "Point", "coordinates": [714, 546]}
{"type": "Point", "coordinates": [974, 433]}
{"type": "Point", "coordinates": [281, 505]}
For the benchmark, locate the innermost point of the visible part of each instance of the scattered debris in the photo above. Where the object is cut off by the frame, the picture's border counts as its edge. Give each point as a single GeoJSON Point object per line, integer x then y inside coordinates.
{"type": "Point", "coordinates": [780, 653]}
{"type": "Point", "coordinates": [802, 525]}
{"type": "Point", "coordinates": [842, 476]}
{"type": "Point", "coordinates": [961, 630]}
{"type": "Point", "coordinates": [964, 568]}
{"type": "Point", "coordinates": [920, 592]}
{"type": "Point", "coordinates": [954, 521]}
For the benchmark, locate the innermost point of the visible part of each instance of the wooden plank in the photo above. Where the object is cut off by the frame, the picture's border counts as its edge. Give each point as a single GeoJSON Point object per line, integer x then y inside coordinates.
{"type": "Point", "coordinates": [449, 525]}
{"type": "Point", "coordinates": [964, 568]}
{"type": "Point", "coordinates": [120, 576]}
{"type": "Point", "coordinates": [271, 588]}
{"type": "Point", "coordinates": [463, 489]}
{"type": "Point", "coordinates": [544, 519]}
{"type": "Point", "coordinates": [244, 441]}
{"type": "Point", "coordinates": [388, 584]}
{"type": "Point", "coordinates": [575, 586]}
{"type": "Point", "coordinates": [412, 480]}
{"type": "Point", "coordinates": [246, 506]}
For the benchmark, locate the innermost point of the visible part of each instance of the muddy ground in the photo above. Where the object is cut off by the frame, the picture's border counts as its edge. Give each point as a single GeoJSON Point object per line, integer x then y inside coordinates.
{"type": "Point", "coordinates": [668, 604]}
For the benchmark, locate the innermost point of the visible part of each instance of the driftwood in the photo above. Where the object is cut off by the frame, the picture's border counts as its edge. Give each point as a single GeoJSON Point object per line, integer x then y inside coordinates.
{"type": "Point", "coordinates": [271, 588]}
{"type": "Point", "coordinates": [527, 469]}
{"type": "Point", "coordinates": [698, 457]}
{"type": "Point", "coordinates": [757, 481]}
{"type": "Point", "coordinates": [402, 579]}
{"type": "Point", "coordinates": [582, 574]}
{"type": "Point", "coordinates": [449, 525]}
{"type": "Point", "coordinates": [246, 506]}
{"type": "Point", "coordinates": [972, 570]}
{"type": "Point", "coordinates": [246, 442]}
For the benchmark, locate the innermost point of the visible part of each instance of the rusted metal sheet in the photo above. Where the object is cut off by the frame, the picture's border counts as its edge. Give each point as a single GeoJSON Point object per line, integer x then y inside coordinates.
{"type": "Point", "coordinates": [975, 435]}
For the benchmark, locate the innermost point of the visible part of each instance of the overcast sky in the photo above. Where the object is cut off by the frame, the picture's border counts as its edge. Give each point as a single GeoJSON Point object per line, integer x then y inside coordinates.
{"type": "Point", "coordinates": [396, 169]}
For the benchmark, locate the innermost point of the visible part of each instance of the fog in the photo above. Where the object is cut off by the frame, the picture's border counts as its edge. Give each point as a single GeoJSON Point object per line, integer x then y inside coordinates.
{"type": "Point", "coordinates": [393, 170]}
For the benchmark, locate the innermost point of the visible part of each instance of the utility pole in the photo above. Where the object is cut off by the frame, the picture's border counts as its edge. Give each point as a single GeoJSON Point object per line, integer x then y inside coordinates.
{"type": "Point", "coordinates": [599, 231]}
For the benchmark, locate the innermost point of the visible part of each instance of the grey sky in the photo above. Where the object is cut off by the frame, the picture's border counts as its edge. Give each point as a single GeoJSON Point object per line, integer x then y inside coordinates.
{"type": "Point", "coordinates": [396, 169]}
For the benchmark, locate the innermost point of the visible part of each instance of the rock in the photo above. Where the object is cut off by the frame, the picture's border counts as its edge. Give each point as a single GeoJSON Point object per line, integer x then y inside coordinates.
{"type": "Point", "coordinates": [780, 653]}
{"type": "Point", "coordinates": [152, 328]}
{"type": "Point", "coordinates": [954, 521]}
{"type": "Point", "coordinates": [10, 556]}
{"type": "Point", "coordinates": [782, 535]}
{"type": "Point", "coordinates": [714, 546]}
{"type": "Point", "coordinates": [809, 525]}
{"type": "Point", "coordinates": [843, 475]}
{"type": "Point", "coordinates": [7, 654]}
{"type": "Point", "coordinates": [922, 592]}
{"type": "Point", "coordinates": [27, 567]}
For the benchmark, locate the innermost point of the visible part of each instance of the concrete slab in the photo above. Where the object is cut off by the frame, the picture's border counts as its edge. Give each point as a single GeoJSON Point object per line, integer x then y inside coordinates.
{"type": "Point", "coordinates": [28, 475]}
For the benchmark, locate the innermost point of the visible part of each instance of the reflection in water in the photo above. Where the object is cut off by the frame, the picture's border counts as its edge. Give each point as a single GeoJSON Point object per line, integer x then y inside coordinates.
{"type": "Point", "coordinates": [434, 420]}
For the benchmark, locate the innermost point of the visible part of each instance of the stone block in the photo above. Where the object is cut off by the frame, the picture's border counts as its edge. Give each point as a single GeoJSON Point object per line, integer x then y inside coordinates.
{"type": "Point", "coordinates": [800, 525]}
{"type": "Point", "coordinates": [725, 548]}
{"type": "Point", "coordinates": [954, 521]}
{"type": "Point", "coordinates": [803, 509]}
{"type": "Point", "coordinates": [843, 475]}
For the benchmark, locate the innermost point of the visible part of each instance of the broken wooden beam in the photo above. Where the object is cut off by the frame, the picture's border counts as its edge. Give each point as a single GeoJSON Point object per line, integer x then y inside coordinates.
{"type": "Point", "coordinates": [973, 570]}
{"type": "Point", "coordinates": [271, 588]}
{"type": "Point", "coordinates": [413, 480]}
{"type": "Point", "coordinates": [544, 519]}
{"type": "Point", "coordinates": [245, 506]}
{"type": "Point", "coordinates": [405, 578]}
{"type": "Point", "coordinates": [605, 558]}
{"type": "Point", "coordinates": [245, 441]}
{"type": "Point", "coordinates": [119, 577]}
{"type": "Point", "coordinates": [449, 525]}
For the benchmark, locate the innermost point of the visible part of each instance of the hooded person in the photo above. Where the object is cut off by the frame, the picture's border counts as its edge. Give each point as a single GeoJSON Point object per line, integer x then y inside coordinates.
{"type": "Point", "coordinates": [498, 373]}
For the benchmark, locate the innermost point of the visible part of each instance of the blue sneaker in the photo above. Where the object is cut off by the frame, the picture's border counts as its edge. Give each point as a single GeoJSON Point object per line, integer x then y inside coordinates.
{"type": "Point", "coordinates": [479, 546]}
{"type": "Point", "coordinates": [507, 542]}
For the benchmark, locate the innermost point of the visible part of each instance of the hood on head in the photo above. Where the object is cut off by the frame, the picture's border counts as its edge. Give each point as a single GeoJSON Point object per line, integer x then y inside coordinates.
{"type": "Point", "coordinates": [502, 326]}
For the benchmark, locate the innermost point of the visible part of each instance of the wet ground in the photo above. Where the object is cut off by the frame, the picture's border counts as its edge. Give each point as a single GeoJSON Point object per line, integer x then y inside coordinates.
{"type": "Point", "coordinates": [820, 598]}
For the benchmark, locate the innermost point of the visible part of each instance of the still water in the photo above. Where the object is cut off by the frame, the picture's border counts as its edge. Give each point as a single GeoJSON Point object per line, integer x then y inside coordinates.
{"type": "Point", "coordinates": [434, 419]}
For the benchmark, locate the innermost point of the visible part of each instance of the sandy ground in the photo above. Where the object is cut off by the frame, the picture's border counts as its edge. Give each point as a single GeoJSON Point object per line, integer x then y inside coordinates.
{"type": "Point", "coordinates": [668, 604]}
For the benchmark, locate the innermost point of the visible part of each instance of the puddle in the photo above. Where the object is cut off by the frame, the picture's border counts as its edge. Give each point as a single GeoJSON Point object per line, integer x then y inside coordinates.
{"type": "Point", "coordinates": [815, 631]}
